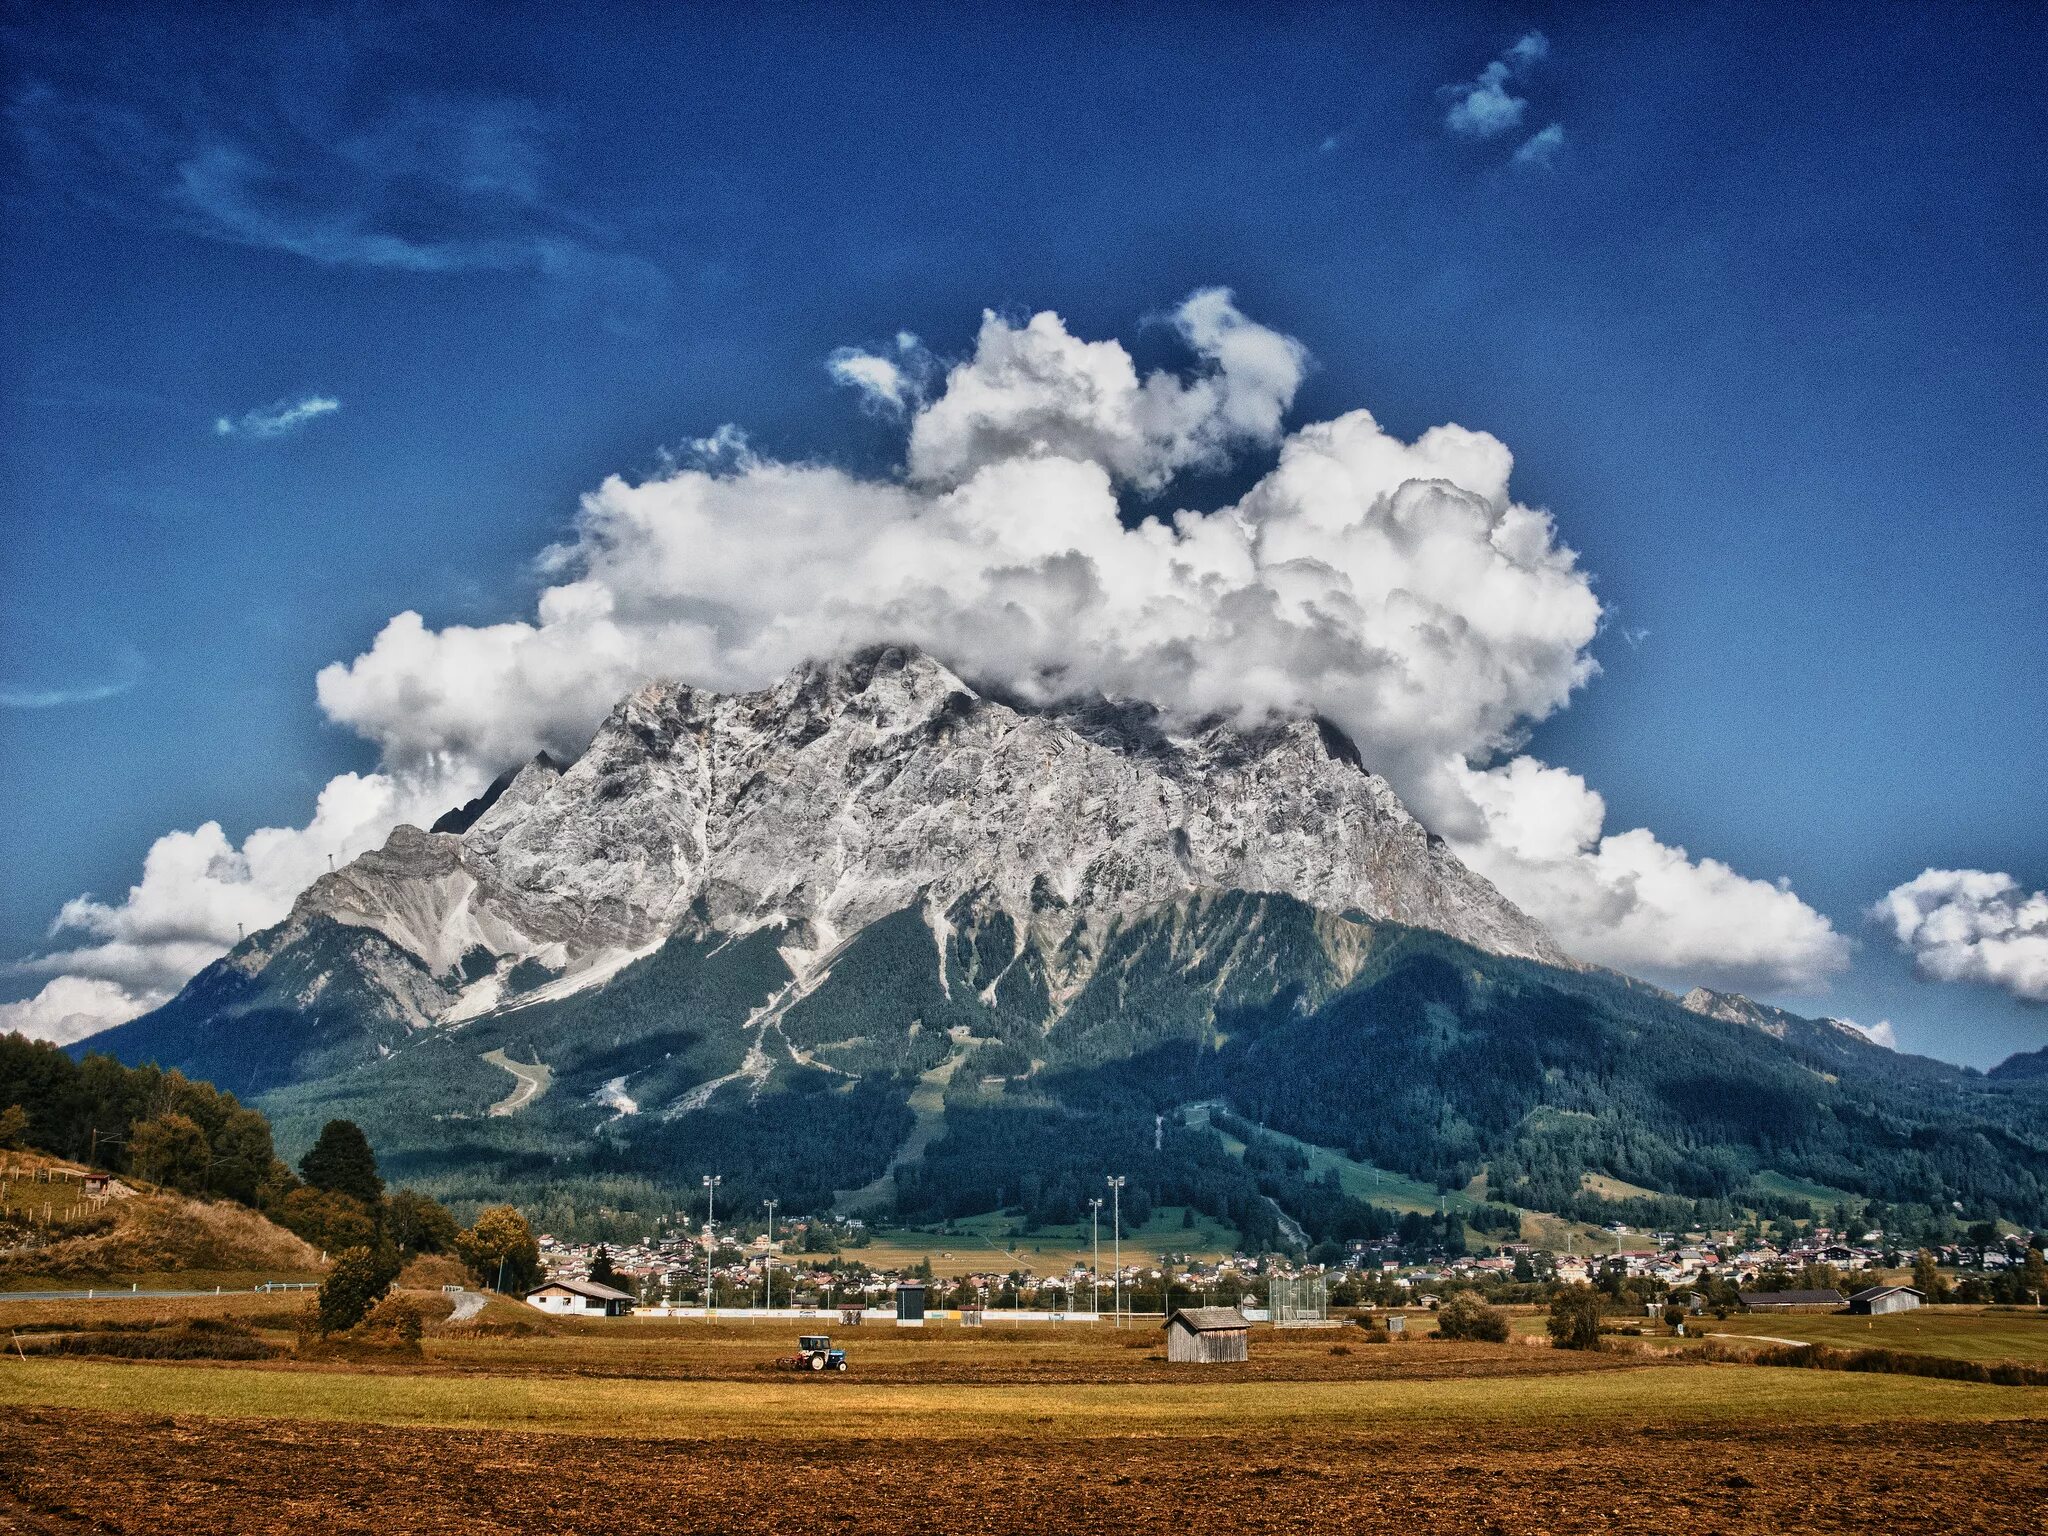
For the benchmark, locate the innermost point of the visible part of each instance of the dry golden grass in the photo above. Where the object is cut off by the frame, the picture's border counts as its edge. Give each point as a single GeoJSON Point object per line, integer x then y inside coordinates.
{"type": "Point", "coordinates": [156, 1234]}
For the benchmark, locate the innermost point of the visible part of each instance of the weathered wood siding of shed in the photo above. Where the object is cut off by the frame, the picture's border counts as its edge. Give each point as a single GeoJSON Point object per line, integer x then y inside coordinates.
{"type": "Point", "coordinates": [1214, 1347]}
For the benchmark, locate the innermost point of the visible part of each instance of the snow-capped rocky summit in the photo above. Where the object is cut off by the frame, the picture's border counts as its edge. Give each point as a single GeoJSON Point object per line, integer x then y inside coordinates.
{"type": "Point", "coordinates": [855, 788]}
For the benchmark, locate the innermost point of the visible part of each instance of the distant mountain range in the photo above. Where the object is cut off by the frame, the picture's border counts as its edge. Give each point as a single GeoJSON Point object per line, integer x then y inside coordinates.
{"type": "Point", "coordinates": [871, 939]}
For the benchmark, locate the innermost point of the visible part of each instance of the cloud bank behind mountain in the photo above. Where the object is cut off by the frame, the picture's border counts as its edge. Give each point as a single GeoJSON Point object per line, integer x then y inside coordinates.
{"type": "Point", "coordinates": [1396, 588]}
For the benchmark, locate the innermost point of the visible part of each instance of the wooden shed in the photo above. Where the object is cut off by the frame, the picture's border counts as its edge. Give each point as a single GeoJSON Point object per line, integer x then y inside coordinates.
{"type": "Point", "coordinates": [1881, 1300]}
{"type": "Point", "coordinates": [1207, 1335]}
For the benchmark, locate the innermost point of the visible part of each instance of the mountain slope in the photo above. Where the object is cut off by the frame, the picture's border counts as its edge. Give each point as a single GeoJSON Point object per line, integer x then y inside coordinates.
{"type": "Point", "coordinates": [741, 931]}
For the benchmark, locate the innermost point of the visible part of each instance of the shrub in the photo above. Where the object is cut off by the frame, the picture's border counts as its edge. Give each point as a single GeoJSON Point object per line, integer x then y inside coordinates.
{"type": "Point", "coordinates": [199, 1339]}
{"type": "Point", "coordinates": [1891, 1362]}
{"type": "Point", "coordinates": [1465, 1316]}
{"type": "Point", "coordinates": [357, 1282]}
{"type": "Point", "coordinates": [1574, 1321]}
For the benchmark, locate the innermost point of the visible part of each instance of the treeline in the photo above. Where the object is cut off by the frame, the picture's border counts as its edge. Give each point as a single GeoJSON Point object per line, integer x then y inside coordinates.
{"type": "Point", "coordinates": [160, 1126]}
{"type": "Point", "coordinates": [163, 1128]}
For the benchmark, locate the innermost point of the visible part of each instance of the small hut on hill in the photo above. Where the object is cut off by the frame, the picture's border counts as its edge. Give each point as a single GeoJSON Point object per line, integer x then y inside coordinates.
{"type": "Point", "coordinates": [1207, 1335]}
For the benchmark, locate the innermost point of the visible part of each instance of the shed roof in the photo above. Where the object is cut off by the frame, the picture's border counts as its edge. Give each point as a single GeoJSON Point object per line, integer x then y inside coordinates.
{"type": "Point", "coordinates": [1208, 1319]}
{"type": "Point", "coordinates": [588, 1288]}
{"type": "Point", "coordinates": [1790, 1298]}
{"type": "Point", "coordinates": [1886, 1290]}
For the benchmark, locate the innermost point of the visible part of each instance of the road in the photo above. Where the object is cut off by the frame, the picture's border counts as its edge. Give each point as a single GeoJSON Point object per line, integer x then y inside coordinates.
{"type": "Point", "coordinates": [117, 1293]}
{"type": "Point", "coordinates": [533, 1078]}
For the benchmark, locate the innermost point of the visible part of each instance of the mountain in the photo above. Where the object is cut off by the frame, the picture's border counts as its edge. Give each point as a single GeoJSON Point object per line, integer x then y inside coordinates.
{"type": "Point", "coordinates": [873, 939]}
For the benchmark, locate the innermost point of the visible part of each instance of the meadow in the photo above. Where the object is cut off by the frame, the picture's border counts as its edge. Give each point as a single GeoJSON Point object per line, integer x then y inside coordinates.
{"type": "Point", "coordinates": [522, 1423]}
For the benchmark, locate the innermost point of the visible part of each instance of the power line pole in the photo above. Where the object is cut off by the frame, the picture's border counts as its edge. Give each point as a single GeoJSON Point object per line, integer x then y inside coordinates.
{"type": "Point", "coordinates": [769, 1276]}
{"type": "Point", "coordinates": [711, 1183]}
{"type": "Point", "coordinates": [1116, 1211]}
{"type": "Point", "coordinates": [1095, 1265]}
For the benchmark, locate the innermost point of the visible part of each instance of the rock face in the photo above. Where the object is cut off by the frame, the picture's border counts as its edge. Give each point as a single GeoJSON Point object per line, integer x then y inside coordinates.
{"type": "Point", "coordinates": [853, 789]}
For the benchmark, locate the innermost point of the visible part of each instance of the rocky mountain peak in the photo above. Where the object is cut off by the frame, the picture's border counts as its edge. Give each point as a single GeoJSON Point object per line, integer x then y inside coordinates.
{"type": "Point", "coordinates": [855, 787]}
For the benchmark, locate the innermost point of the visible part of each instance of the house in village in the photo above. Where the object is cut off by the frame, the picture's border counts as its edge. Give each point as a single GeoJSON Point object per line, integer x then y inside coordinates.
{"type": "Point", "coordinates": [1880, 1300]}
{"type": "Point", "coordinates": [580, 1298]}
{"type": "Point", "coordinates": [1208, 1335]}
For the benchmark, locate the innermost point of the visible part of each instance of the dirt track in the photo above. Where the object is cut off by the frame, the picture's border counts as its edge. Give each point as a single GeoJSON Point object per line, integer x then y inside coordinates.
{"type": "Point", "coordinates": [69, 1471]}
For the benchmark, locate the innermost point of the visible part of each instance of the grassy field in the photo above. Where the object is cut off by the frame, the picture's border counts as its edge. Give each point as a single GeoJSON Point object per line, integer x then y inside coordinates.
{"type": "Point", "coordinates": [657, 1425]}
{"type": "Point", "coordinates": [1958, 1333]}
{"type": "Point", "coordinates": [1676, 1394]}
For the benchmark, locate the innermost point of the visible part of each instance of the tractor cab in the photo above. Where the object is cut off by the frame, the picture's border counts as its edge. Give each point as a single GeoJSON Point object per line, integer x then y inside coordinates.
{"type": "Point", "coordinates": [814, 1352]}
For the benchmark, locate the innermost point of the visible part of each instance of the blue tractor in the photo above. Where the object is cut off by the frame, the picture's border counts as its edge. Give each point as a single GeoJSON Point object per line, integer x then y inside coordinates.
{"type": "Point", "coordinates": [814, 1352]}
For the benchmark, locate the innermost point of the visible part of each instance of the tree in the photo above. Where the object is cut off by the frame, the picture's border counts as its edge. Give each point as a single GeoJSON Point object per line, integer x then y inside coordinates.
{"type": "Point", "coordinates": [329, 1221]}
{"type": "Point", "coordinates": [355, 1284]}
{"type": "Point", "coordinates": [1983, 1236]}
{"type": "Point", "coordinates": [170, 1150]}
{"type": "Point", "coordinates": [1927, 1279]}
{"type": "Point", "coordinates": [601, 1270]}
{"type": "Point", "coordinates": [2034, 1274]}
{"type": "Point", "coordinates": [501, 1250]}
{"type": "Point", "coordinates": [1525, 1272]}
{"type": "Point", "coordinates": [242, 1155]}
{"type": "Point", "coordinates": [418, 1223]}
{"type": "Point", "coordinates": [341, 1160]}
{"type": "Point", "coordinates": [1465, 1316]}
{"type": "Point", "coordinates": [13, 1128]}
{"type": "Point", "coordinates": [1575, 1318]}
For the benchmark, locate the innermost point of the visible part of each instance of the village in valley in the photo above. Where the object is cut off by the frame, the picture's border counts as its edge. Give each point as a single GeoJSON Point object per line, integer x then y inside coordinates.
{"type": "Point", "coordinates": [817, 1268]}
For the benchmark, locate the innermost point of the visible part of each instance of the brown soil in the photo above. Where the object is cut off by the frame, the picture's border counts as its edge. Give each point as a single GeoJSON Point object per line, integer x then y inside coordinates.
{"type": "Point", "coordinates": [66, 1471]}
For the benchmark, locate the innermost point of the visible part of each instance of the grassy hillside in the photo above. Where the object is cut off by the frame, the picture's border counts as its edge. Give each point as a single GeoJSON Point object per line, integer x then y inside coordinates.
{"type": "Point", "coordinates": [50, 1230]}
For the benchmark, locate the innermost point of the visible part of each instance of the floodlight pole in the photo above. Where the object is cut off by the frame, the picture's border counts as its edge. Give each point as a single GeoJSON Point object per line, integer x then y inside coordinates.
{"type": "Point", "coordinates": [768, 1278]}
{"type": "Point", "coordinates": [1095, 1265]}
{"type": "Point", "coordinates": [1116, 1212]}
{"type": "Point", "coordinates": [711, 1182]}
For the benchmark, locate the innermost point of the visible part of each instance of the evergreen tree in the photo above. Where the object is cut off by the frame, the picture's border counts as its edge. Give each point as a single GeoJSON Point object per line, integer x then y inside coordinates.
{"type": "Point", "coordinates": [602, 1271]}
{"type": "Point", "coordinates": [341, 1161]}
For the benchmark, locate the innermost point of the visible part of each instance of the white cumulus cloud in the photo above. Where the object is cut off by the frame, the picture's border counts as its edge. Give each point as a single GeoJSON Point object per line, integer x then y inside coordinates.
{"type": "Point", "coordinates": [277, 420]}
{"type": "Point", "coordinates": [1880, 1033]}
{"type": "Point", "coordinates": [199, 890]}
{"type": "Point", "coordinates": [71, 1007]}
{"type": "Point", "coordinates": [1972, 925]}
{"type": "Point", "coordinates": [1630, 901]}
{"type": "Point", "coordinates": [1395, 587]}
{"type": "Point", "coordinates": [1485, 108]}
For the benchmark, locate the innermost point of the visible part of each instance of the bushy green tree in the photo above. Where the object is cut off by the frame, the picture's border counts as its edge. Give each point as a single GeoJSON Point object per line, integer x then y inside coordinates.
{"type": "Point", "coordinates": [170, 1150]}
{"type": "Point", "coordinates": [1574, 1321]}
{"type": "Point", "coordinates": [329, 1221]}
{"type": "Point", "coordinates": [418, 1223]}
{"type": "Point", "coordinates": [501, 1250]}
{"type": "Point", "coordinates": [341, 1161]}
{"type": "Point", "coordinates": [1465, 1316]}
{"type": "Point", "coordinates": [356, 1283]}
{"type": "Point", "coordinates": [13, 1128]}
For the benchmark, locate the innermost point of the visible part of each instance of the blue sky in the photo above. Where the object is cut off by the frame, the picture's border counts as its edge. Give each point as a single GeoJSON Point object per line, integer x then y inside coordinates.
{"type": "Point", "coordinates": [1763, 322]}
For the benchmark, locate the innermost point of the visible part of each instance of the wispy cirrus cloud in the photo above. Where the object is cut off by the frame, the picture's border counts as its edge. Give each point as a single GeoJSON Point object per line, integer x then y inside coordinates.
{"type": "Point", "coordinates": [277, 420]}
{"type": "Point", "coordinates": [127, 673]}
{"type": "Point", "coordinates": [1541, 149]}
{"type": "Point", "coordinates": [430, 183]}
